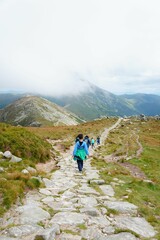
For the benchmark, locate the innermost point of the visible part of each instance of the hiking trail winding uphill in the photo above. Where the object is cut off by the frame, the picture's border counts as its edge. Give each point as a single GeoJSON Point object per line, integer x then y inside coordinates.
{"type": "Point", "coordinates": [68, 208]}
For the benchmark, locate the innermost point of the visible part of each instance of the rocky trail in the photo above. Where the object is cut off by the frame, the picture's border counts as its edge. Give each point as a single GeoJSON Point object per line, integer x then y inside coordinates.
{"type": "Point", "coordinates": [68, 208]}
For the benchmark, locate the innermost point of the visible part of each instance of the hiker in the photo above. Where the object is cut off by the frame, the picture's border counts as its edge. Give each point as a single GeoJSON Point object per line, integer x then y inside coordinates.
{"type": "Point", "coordinates": [98, 140]}
{"type": "Point", "coordinates": [77, 139]}
{"type": "Point", "coordinates": [80, 152]}
{"type": "Point", "coordinates": [92, 142]}
{"type": "Point", "coordinates": [87, 140]}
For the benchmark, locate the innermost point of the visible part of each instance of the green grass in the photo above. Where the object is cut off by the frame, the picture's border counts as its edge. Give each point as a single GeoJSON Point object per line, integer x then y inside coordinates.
{"type": "Point", "coordinates": [145, 195]}
{"type": "Point", "coordinates": [22, 143]}
{"type": "Point", "coordinates": [32, 149]}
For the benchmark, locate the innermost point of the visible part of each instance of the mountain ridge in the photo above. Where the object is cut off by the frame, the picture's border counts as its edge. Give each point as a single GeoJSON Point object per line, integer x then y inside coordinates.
{"type": "Point", "coordinates": [97, 102]}
{"type": "Point", "coordinates": [36, 111]}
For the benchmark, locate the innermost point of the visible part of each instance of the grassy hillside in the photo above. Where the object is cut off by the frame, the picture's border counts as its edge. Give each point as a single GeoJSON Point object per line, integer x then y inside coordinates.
{"type": "Point", "coordinates": [32, 149]}
{"type": "Point", "coordinates": [140, 175]}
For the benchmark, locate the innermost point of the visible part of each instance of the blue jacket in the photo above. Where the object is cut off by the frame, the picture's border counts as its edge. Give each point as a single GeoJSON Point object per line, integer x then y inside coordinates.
{"type": "Point", "coordinates": [80, 150]}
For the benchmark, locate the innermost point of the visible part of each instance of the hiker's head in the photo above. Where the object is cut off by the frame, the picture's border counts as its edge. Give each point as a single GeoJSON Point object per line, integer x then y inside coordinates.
{"type": "Point", "coordinates": [80, 136]}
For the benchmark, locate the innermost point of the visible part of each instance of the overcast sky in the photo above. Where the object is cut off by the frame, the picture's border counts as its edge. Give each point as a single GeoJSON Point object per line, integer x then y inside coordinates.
{"type": "Point", "coordinates": [47, 46]}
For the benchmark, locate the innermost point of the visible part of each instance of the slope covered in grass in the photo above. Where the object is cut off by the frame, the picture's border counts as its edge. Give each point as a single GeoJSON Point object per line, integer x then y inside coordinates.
{"type": "Point", "coordinates": [122, 144]}
{"type": "Point", "coordinates": [23, 143]}
{"type": "Point", "coordinates": [32, 149]}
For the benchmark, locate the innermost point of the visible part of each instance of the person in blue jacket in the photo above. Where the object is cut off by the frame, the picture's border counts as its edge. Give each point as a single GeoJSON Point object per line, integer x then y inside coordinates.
{"type": "Point", "coordinates": [80, 152]}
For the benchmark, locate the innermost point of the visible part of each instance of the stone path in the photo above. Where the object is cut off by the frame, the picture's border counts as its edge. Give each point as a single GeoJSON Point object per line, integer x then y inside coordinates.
{"type": "Point", "coordinates": [68, 208]}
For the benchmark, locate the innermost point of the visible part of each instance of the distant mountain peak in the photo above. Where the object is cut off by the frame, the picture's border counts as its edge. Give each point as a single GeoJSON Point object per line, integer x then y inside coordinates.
{"type": "Point", "coordinates": [29, 110]}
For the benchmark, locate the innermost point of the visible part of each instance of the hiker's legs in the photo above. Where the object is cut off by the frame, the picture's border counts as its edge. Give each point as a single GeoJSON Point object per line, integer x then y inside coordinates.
{"type": "Point", "coordinates": [80, 164]}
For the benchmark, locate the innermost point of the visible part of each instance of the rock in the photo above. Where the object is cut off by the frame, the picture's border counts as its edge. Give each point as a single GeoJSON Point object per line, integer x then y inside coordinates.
{"type": "Point", "coordinates": [48, 183]}
{"type": "Point", "coordinates": [15, 159]}
{"type": "Point", "coordinates": [90, 211]}
{"type": "Point", "coordinates": [45, 191]}
{"type": "Point", "coordinates": [25, 171]}
{"type": "Point", "coordinates": [91, 233]}
{"type": "Point", "coordinates": [108, 230]}
{"type": "Point", "coordinates": [49, 233]}
{"type": "Point", "coordinates": [31, 214]}
{"type": "Point", "coordinates": [123, 207]}
{"type": "Point", "coordinates": [88, 201]}
{"type": "Point", "coordinates": [65, 236]}
{"type": "Point", "coordinates": [120, 236]}
{"type": "Point", "coordinates": [107, 189]}
{"type": "Point", "coordinates": [31, 170]}
{"type": "Point", "coordinates": [1, 169]}
{"type": "Point", "coordinates": [99, 182]}
{"type": "Point", "coordinates": [7, 154]}
{"type": "Point", "coordinates": [135, 224]}
{"type": "Point", "coordinates": [24, 230]}
{"type": "Point", "coordinates": [68, 218]}
{"type": "Point", "coordinates": [100, 221]}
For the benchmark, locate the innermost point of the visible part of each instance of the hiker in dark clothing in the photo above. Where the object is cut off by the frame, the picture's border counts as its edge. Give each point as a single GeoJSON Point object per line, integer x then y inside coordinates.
{"type": "Point", "coordinates": [87, 140]}
{"type": "Point", "coordinates": [80, 152]}
{"type": "Point", "coordinates": [98, 140]}
{"type": "Point", "coordinates": [77, 139]}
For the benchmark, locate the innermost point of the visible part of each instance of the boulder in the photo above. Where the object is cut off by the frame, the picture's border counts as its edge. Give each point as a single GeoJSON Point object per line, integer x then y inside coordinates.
{"type": "Point", "coordinates": [15, 159]}
{"type": "Point", "coordinates": [7, 154]}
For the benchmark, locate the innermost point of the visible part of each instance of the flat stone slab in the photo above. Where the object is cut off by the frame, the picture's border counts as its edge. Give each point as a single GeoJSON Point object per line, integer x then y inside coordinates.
{"type": "Point", "coordinates": [88, 201]}
{"type": "Point", "coordinates": [88, 190]}
{"type": "Point", "coordinates": [90, 211]}
{"type": "Point", "coordinates": [45, 191]}
{"type": "Point", "coordinates": [24, 230]}
{"type": "Point", "coordinates": [107, 190]}
{"type": "Point", "coordinates": [101, 221]}
{"type": "Point", "coordinates": [68, 218]}
{"type": "Point", "coordinates": [123, 207]}
{"type": "Point", "coordinates": [92, 233]}
{"type": "Point", "coordinates": [32, 214]}
{"type": "Point", "coordinates": [120, 236]}
{"type": "Point", "coordinates": [65, 236]}
{"type": "Point", "coordinates": [135, 224]}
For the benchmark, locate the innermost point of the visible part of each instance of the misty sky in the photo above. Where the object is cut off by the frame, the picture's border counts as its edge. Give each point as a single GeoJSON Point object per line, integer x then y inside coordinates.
{"type": "Point", "coordinates": [47, 46]}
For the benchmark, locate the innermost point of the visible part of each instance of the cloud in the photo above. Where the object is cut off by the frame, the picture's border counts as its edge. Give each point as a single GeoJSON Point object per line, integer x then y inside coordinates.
{"type": "Point", "coordinates": [47, 46]}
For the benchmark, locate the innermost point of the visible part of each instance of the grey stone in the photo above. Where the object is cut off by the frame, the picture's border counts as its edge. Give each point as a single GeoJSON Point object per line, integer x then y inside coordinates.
{"type": "Point", "coordinates": [135, 224]}
{"type": "Point", "coordinates": [44, 191]}
{"type": "Point", "coordinates": [68, 218]}
{"type": "Point", "coordinates": [1, 169]}
{"type": "Point", "coordinates": [91, 233]}
{"type": "Point", "coordinates": [108, 230]}
{"type": "Point", "coordinates": [48, 183]}
{"type": "Point", "coordinates": [90, 211]}
{"type": "Point", "coordinates": [65, 236]}
{"type": "Point", "coordinates": [32, 214]}
{"type": "Point", "coordinates": [99, 182]}
{"type": "Point", "coordinates": [120, 236]}
{"type": "Point", "coordinates": [49, 233]}
{"type": "Point", "coordinates": [107, 190]}
{"type": "Point", "coordinates": [24, 230]}
{"type": "Point", "coordinates": [32, 170]}
{"type": "Point", "coordinates": [88, 201]}
{"type": "Point", "coordinates": [123, 207]}
{"type": "Point", "coordinates": [7, 154]}
{"type": "Point", "coordinates": [15, 159]}
{"type": "Point", "coordinates": [100, 221]}
{"type": "Point", "coordinates": [25, 171]}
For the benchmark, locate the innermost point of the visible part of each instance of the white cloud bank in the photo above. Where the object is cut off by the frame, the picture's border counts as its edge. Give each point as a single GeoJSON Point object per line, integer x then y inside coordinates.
{"type": "Point", "coordinates": [47, 46]}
